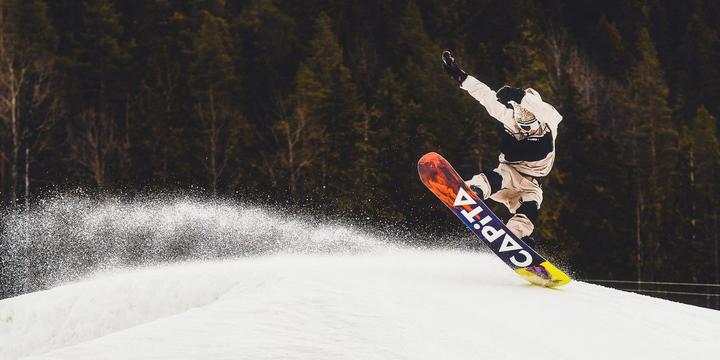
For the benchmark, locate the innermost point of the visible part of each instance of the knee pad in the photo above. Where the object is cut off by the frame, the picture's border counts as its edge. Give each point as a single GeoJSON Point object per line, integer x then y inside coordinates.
{"type": "Point", "coordinates": [529, 209]}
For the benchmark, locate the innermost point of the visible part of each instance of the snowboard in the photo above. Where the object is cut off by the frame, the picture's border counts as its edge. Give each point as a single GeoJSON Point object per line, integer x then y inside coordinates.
{"type": "Point", "coordinates": [440, 177]}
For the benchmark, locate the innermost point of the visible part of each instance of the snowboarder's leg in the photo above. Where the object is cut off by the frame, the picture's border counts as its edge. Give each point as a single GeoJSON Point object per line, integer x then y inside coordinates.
{"type": "Point", "coordinates": [485, 184]}
{"type": "Point", "coordinates": [521, 223]}
{"type": "Point", "coordinates": [522, 196]}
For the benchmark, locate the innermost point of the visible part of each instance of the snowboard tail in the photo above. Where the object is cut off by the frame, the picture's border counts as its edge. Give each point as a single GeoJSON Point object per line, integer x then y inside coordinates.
{"type": "Point", "coordinates": [439, 176]}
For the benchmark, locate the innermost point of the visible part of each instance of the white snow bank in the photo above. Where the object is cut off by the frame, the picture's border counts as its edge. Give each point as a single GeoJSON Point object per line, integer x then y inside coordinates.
{"type": "Point", "coordinates": [402, 304]}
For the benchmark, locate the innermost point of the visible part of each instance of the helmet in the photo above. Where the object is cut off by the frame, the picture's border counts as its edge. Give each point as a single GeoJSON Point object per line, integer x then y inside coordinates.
{"type": "Point", "coordinates": [524, 119]}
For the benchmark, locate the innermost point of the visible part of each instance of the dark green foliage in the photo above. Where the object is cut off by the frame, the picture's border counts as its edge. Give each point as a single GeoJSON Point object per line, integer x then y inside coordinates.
{"type": "Point", "coordinates": [654, 149]}
{"type": "Point", "coordinates": [701, 172]}
{"type": "Point", "coordinates": [330, 104]}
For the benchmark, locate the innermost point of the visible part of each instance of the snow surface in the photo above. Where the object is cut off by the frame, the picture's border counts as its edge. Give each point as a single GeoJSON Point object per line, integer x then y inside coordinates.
{"type": "Point", "coordinates": [385, 304]}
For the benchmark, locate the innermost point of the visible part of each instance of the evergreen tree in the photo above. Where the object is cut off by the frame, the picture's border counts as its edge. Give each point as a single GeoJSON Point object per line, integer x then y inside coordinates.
{"type": "Point", "coordinates": [296, 162]}
{"type": "Point", "coordinates": [654, 151]}
{"type": "Point", "coordinates": [325, 106]}
{"type": "Point", "coordinates": [339, 108]}
{"type": "Point", "coordinates": [701, 200]}
{"type": "Point", "coordinates": [161, 91]}
{"type": "Point", "coordinates": [610, 48]}
{"type": "Point", "coordinates": [265, 48]}
{"type": "Point", "coordinates": [215, 88]}
{"type": "Point", "coordinates": [699, 73]}
{"type": "Point", "coordinates": [423, 108]}
{"type": "Point", "coordinates": [97, 65]}
{"type": "Point", "coordinates": [526, 61]}
{"type": "Point", "coordinates": [593, 204]}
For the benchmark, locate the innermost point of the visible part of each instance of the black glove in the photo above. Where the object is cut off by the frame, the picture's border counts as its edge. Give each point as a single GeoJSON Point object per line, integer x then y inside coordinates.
{"type": "Point", "coordinates": [508, 93]}
{"type": "Point", "coordinates": [451, 67]}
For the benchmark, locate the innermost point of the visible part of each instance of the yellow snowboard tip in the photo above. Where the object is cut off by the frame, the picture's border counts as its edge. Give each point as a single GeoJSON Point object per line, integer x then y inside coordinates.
{"type": "Point", "coordinates": [545, 274]}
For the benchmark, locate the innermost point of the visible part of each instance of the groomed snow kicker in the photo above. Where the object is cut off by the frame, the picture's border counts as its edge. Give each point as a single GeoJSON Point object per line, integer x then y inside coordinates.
{"type": "Point", "coordinates": [384, 304]}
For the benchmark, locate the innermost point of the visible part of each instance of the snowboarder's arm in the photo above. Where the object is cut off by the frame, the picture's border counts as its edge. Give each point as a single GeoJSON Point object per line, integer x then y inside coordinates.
{"type": "Point", "coordinates": [488, 99]}
{"type": "Point", "coordinates": [543, 111]}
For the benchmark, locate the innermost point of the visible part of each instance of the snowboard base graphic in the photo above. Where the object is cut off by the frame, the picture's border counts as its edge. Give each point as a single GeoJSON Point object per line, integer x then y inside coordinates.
{"type": "Point", "coordinates": [440, 177]}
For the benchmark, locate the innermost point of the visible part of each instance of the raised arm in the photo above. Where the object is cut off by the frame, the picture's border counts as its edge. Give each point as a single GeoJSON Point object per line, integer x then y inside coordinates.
{"type": "Point", "coordinates": [478, 90]}
{"type": "Point", "coordinates": [487, 98]}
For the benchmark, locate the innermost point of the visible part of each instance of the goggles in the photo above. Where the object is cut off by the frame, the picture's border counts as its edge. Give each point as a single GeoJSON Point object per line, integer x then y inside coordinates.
{"type": "Point", "coordinates": [534, 124]}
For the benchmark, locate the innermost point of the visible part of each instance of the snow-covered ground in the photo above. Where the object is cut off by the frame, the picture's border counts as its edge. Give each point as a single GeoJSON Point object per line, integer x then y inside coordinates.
{"type": "Point", "coordinates": [386, 304]}
{"type": "Point", "coordinates": [294, 287]}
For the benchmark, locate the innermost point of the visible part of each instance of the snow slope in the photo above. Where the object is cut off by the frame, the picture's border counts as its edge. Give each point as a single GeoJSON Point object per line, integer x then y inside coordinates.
{"type": "Point", "coordinates": [385, 304]}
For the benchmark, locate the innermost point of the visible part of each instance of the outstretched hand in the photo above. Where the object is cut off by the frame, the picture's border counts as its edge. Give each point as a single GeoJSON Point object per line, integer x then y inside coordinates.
{"type": "Point", "coordinates": [451, 67]}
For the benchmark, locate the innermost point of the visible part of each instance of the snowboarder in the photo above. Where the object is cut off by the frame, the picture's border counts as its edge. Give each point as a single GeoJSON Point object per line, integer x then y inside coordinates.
{"type": "Point", "coordinates": [527, 148]}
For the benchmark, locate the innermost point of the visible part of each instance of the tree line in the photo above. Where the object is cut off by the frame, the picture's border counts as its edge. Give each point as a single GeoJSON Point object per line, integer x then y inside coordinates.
{"type": "Point", "coordinates": [331, 103]}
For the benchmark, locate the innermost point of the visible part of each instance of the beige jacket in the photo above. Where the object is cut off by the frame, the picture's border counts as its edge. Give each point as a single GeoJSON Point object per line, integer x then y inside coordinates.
{"type": "Point", "coordinates": [532, 155]}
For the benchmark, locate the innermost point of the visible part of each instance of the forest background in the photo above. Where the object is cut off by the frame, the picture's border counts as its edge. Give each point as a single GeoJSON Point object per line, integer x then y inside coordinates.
{"type": "Point", "coordinates": [329, 104]}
